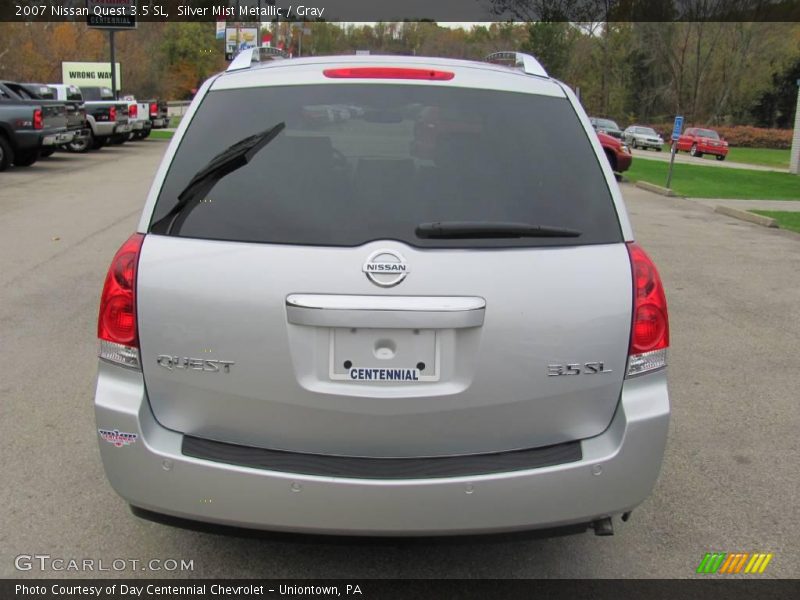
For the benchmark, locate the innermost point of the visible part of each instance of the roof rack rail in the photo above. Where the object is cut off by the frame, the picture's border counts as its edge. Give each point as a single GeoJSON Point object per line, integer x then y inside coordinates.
{"type": "Point", "coordinates": [517, 60]}
{"type": "Point", "coordinates": [252, 56]}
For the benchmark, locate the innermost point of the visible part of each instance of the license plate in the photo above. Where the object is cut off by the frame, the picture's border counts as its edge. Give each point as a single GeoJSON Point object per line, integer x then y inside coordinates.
{"type": "Point", "coordinates": [384, 356]}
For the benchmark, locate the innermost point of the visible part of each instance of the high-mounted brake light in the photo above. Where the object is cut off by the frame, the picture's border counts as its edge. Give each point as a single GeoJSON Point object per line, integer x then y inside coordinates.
{"type": "Point", "coordinates": [112, 113]}
{"type": "Point", "coordinates": [116, 324]}
{"type": "Point", "coordinates": [38, 119]}
{"type": "Point", "coordinates": [388, 73]}
{"type": "Point", "coordinates": [153, 109]}
{"type": "Point", "coordinates": [133, 111]}
{"type": "Point", "coordinates": [650, 326]}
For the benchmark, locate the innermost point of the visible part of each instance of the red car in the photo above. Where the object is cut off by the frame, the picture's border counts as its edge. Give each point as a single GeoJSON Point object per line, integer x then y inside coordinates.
{"type": "Point", "coordinates": [698, 141]}
{"type": "Point", "coordinates": [618, 153]}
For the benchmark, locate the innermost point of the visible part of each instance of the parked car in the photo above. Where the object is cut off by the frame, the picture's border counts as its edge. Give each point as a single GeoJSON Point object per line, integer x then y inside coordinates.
{"type": "Point", "coordinates": [617, 153]}
{"type": "Point", "coordinates": [314, 330]}
{"type": "Point", "coordinates": [699, 141]}
{"type": "Point", "coordinates": [639, 136]}
{"type": "Point", "coordinates": [72, 93]}
{"type": "Point", "coordinates": [28, 126]}
{"type": "Point", "coordinates": [139, 117]}
{"type": "Point", "coordinates": [76, 113]}
{"type": "Point", "coordinates": [606, 126]}
{"type": "Point", "coordinates": [107, 116]}
{"type": "Point", "coordinates": [159, 114]}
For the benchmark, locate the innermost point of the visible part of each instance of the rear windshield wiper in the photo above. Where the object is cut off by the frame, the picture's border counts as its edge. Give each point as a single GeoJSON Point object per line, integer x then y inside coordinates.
{"type": "Point", "coordinates": [226, 162]}
{"type": "Point", "coordinates": [490, 230]}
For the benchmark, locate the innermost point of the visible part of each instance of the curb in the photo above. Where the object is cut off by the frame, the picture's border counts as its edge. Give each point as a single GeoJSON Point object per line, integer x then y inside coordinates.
{"type": "Point", "coordinates": [744, 215]}
{"type": "Point", "coordinates": [656, 189]}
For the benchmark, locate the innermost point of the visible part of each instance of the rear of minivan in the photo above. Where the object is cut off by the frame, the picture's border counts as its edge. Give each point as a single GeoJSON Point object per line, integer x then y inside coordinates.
{"type": "Point", "coordinates": [383, 295]}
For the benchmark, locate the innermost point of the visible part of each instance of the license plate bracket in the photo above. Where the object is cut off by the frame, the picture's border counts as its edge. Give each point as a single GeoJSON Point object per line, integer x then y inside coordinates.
{"type": "Point", "coordinates": [384, 356]}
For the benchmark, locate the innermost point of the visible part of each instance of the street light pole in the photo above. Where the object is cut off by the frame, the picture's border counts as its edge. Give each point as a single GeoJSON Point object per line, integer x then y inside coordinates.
{"type": "Point", "coordinates": [113, 62]}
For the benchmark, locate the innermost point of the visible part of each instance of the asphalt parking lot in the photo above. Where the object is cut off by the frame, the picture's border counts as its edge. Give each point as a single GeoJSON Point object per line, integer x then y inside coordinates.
{"type": "Point", "coordinates": [729, 483]}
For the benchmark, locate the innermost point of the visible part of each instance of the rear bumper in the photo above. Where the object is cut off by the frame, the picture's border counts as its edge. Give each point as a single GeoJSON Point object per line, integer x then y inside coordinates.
{"type": "Point", "coordinates": [159, 123]}
{"type": "Point", "coordinates": [104, 128]}
{"type": "Point", "coordinates": [617, 471]}
{"type": "Point", "coordinates": [57, 139]}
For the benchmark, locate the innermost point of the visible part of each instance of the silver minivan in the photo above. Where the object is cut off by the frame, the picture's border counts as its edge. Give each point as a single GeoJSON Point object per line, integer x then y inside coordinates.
{"type": "Point", "coordinates": [383, 295]}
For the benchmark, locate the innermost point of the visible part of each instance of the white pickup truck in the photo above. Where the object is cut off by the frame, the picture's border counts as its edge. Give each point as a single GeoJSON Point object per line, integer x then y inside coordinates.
{"type": "Point", "coordinates": [139, 117]}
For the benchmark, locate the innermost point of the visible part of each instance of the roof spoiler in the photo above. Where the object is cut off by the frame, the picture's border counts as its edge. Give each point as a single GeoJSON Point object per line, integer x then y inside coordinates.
{"type": "Point", "coordinates": [517, 60]}
{"type": "Point", "coordinates": [252, 56]}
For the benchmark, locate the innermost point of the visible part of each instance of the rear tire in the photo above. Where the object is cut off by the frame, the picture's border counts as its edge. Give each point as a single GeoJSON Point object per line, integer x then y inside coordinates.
{"type": "Point", "coordinates": [118, 139]}
{"type": "Point", "coordinates": [44, 153]}
{"type": "Point", "coordinates": [81, 146]}
{"type": "Point", "coordinates": [99, 142]}
{"type": "Point", "coordinates": [26, 158]}
{"type": "Point", "coordinates": [6, 154]}
{"type": "Point", "coordinates": [720, 157]}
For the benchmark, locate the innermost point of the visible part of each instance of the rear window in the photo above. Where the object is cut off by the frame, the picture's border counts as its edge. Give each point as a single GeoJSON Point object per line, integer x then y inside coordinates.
{"type": "Point", "coordinates": [359, 162]}
{"type": "Point", "coordinates": [97, 93]}
{"type": "Point", "coordinates": [74, 94]}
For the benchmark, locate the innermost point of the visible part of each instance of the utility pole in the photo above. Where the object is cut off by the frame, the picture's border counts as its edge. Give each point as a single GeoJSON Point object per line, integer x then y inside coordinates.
{"type": "Point", "coordinates": [113, 63]}
{"type": "Point", "coordinates": [794, 161]}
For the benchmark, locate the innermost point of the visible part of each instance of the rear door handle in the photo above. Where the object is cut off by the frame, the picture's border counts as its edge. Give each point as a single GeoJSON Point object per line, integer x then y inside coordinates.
{"type": "Point", "coordinates": [393, 312]}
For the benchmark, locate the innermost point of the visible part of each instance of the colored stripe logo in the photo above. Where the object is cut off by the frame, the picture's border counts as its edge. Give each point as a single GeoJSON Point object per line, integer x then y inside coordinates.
{"type": "Point", "coordinates": [727, 563]}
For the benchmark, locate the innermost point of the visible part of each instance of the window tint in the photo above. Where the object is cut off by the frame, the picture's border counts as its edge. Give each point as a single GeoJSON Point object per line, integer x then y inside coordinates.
{"type": "Point", "coordinates": [362, 162]}
{"type": "Point", "coordinates": [97, 93]}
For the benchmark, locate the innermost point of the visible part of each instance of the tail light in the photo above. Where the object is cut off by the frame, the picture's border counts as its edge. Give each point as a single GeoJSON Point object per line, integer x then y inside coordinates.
{"type": "Point", "coordinates": [112, 113]}
{"type": "Point", "coordinates": [153, 109]}
{"type": "Point", "coordinates": [650, 327]}
{"type": "Point", "coordinates": [388, 73]}
{"type": "Point", "coordinates": [38, 119]}
{"type": "Point", "coordinates": [116, 324]}
{"type": "Point", "coordinates": [133, 111]}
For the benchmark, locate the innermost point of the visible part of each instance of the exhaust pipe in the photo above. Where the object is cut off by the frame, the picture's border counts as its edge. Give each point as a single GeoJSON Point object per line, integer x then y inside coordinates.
{"type": "Point", "coordinates": [603, 526]}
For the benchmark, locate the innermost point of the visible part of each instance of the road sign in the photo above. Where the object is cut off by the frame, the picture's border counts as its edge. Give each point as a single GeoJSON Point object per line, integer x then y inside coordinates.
{"type": "Point", "coordinates": [111, 14]}
{"type": "Point", "coordinates": [677, 128]}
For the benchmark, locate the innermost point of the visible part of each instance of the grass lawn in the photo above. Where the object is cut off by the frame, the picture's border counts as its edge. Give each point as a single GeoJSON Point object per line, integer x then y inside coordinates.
{"type": "Point", "coordinates": [159, 134]}
{"type": "Point", "coordinates": [786, 220]}
{"type": "Point", "coordinates": [769, 157]}
{"type": "Point", "coordinates": [717, 182]}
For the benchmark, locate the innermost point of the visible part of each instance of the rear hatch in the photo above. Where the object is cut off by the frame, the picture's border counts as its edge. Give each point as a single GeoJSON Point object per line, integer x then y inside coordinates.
{"type": "Point", "coordinates": [296, 305]}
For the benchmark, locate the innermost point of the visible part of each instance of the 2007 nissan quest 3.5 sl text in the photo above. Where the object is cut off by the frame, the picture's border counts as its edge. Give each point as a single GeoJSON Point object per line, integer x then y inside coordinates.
{"type": "Point", "coordinates": [381, 295]}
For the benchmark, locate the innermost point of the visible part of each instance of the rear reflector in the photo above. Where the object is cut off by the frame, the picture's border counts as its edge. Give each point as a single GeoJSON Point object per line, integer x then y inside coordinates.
{"type": "Point", "coordinates": [116, 324]}
{"type": "Point", "coordinates": [388, 73]}
{"type": "Point", "coordinates": [650, 326]}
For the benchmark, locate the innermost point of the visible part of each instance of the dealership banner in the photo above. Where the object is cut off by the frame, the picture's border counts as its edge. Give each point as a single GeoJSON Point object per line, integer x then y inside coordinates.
{"type": "Point", "coordinates": [125, 13]}
{"type": "Point", "coordinates": [89, 74]}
